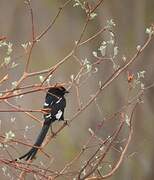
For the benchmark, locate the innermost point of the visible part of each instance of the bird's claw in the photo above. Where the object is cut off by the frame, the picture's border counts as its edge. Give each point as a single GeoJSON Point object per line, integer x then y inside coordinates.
{"type": "Point", "coordinates": [66, 123]}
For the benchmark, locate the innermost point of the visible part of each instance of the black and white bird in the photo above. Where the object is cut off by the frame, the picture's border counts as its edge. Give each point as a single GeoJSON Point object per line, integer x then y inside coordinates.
{"type": "Point", "coordinates": [55, 104]}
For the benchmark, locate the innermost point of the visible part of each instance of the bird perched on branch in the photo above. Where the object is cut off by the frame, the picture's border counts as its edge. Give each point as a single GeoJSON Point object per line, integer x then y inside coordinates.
{"type": "Point", "coordinates": [54, 106]}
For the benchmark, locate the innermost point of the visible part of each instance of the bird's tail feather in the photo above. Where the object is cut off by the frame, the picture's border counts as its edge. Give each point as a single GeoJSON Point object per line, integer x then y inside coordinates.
{"type": "Point", "coordinates": [32, 152]}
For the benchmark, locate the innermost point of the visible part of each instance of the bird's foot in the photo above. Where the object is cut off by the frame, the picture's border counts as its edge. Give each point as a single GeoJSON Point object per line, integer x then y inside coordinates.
{"type": "Point", "coordinates": [66, 123]}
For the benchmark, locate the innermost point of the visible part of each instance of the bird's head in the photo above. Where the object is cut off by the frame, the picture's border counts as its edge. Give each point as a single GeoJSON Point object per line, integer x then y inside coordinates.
{"type": "Point", "coordinates": [58, 91]}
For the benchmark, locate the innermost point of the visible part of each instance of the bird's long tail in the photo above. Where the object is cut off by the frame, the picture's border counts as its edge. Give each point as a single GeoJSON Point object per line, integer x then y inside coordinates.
{"type": "Point", "coordinates": [32, 152]}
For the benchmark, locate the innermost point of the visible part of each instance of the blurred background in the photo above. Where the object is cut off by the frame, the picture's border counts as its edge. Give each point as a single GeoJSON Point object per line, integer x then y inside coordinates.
{"type": "Point", "coordinates": [131, 18]}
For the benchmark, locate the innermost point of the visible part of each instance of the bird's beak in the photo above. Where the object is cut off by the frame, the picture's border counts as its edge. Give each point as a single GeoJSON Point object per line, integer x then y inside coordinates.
{"type": "Point", "coordinates": [66, 91]}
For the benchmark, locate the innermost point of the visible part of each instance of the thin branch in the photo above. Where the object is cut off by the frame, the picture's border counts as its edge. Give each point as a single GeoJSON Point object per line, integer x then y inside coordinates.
{"type": "Point", "coordinates": [53, 21]}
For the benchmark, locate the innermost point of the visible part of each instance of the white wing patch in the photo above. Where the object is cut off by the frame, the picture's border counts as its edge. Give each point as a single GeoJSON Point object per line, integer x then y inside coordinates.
{"type": "Point", "coordinates": [46, 104]}
{"type": "Point", "coordinates": [58, 100]}
{"type": "Point", "coordinates": [59, 114]}
{"type": "Point", "coordinates": [48, 115]}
